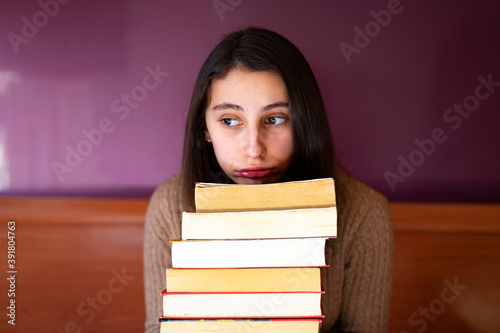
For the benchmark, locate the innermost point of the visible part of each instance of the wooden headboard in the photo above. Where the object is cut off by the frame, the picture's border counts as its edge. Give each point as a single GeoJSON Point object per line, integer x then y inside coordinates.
{"type": "Point", "coordinates": [447, 268]}
{"type": "Point", "coordinates": [79, 266]}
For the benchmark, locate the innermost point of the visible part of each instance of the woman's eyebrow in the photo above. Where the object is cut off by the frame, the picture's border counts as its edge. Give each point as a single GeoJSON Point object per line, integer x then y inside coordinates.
{"type": "Point", "coordinates": [275, 105]}
{"type": "Point", "coordinates": [225, 106]}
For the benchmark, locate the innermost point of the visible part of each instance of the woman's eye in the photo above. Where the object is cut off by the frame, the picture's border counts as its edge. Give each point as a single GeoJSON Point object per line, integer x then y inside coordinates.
{"type": "Point", "coordinates": [275, 120]}
{"type": "Point", "coordinates": [230, 121]}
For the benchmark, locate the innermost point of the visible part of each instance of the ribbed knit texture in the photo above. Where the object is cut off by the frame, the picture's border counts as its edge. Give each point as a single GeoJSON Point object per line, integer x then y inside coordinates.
{"type": "Point", "coordinates": [357, 283]}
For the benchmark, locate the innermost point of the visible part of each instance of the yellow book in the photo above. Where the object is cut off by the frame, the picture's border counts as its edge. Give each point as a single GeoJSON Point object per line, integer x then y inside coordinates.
{"type": "Point", "coordinates": [244, 280]}
{"type": "Point", "coordinates": [316, 193]}
{"type": "Point", "coordinates": [295, 325]}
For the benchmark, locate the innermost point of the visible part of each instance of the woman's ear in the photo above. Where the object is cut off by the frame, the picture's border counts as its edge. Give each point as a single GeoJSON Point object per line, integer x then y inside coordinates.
{"type": "Point", "coordinates": [207, 136]}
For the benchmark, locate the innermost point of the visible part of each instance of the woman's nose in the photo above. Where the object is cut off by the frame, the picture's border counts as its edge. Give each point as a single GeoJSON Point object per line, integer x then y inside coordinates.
{"type": "Point", "coordinates": [255, 147]}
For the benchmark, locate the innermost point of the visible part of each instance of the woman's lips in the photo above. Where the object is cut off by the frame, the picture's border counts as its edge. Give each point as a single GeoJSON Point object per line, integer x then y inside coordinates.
{"type": "Point", "coordinates": [254, 172]}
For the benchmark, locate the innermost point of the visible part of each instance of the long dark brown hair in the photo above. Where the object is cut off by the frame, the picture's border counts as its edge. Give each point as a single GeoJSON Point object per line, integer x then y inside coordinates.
{"type": "Point", "coordinates": [260, 49]}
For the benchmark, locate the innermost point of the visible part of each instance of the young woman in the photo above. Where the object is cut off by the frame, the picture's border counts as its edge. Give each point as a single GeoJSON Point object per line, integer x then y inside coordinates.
{"type": "Point", "coordinates": [257, 116]}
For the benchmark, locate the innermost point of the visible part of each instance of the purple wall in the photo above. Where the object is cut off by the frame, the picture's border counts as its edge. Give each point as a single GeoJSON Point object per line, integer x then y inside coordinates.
{"type": "Point", "coordinates": [69, 72]}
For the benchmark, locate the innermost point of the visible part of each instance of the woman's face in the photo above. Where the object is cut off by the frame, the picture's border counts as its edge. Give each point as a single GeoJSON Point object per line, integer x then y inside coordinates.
{"type": "Point", "coordinates": [248, 123]}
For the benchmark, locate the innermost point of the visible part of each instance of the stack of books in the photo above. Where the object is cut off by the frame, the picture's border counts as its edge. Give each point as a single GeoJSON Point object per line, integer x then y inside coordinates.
{"type": "Point", "coordinates": [250, 257]}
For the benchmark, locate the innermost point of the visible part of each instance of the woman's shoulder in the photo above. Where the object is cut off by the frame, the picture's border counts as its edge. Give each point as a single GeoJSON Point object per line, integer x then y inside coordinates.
{"type": "Point", "coordinates": [355, 198]}
{"type": "Point", "coordinates": [349, 189]}
{"type": "Point", "coordinates": [170, 186]}
{"type": "Point", "coordinates": [167, 197]}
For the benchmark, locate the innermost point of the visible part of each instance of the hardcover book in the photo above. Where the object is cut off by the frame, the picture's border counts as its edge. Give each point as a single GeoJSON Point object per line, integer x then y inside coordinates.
{"type": "Point", "coordinates": [292, 325]}
{"type": "Point", "coordinates": [315, 193]}
{"type": "Point", "coordinates": [253, 253]}
{"type": "Point", "coordinates": [244, 280]}
{"type": "Point", "coordinates": [242, 305]}
{"type": "Point", "coordinates": [312, 222]}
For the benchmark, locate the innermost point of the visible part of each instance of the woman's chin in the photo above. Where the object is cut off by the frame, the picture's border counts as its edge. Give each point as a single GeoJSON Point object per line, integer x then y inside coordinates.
{"type": "Point", "coordinates": [256, 180]}
{"type": "Point", "coordinates": [252, 181]}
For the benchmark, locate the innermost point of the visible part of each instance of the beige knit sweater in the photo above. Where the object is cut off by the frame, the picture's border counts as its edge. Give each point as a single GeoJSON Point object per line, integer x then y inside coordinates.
{"type": "Point", "coordinates": [357, 282]}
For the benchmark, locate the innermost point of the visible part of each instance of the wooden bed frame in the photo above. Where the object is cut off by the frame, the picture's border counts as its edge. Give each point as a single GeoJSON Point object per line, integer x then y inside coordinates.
{"type": "Point", "coordinates": [79, 266]}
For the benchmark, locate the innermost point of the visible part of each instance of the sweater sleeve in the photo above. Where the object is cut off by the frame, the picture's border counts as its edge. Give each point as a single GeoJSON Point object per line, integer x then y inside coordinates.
{"type": "Point", "coordinates": [162, 224]}
{"type": "Point", "coordinates": [368, 270]}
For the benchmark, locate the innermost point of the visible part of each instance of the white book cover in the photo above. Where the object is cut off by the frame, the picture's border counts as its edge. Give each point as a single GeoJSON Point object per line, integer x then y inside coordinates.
{"type": "Point", "coordinates": [314, 222]}
{"type": "Point", "coordinates": [235, 305]}
{"type": "Point", "coordinates": [287, 252]}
